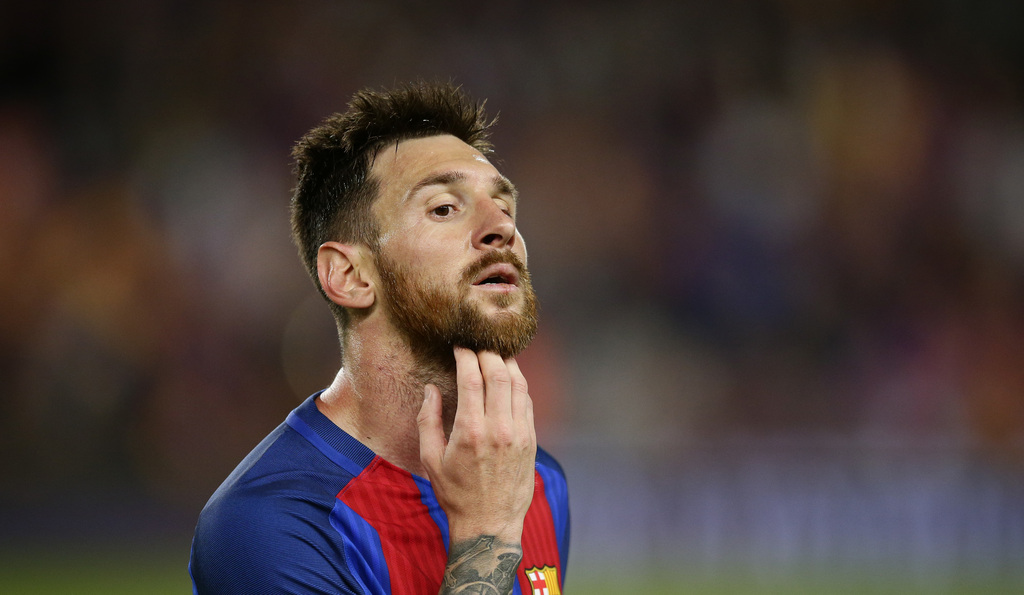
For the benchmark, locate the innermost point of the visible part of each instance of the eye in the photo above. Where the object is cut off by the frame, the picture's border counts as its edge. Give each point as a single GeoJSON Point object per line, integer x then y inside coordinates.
{"type": "Point", "coordinates": [505, 208]}
{"type": "Point", "coordinates": [442, 210]}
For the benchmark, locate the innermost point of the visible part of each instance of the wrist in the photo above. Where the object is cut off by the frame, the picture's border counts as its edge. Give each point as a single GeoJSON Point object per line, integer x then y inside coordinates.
{"type": "Point", "coordinates": [481, 562]}
{"type": "Point", "coordinates": [511, 533]}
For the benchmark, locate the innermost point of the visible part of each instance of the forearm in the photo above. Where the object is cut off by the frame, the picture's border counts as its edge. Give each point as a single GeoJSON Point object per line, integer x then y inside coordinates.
{"type": "Point", "coordinates": [483, 565]}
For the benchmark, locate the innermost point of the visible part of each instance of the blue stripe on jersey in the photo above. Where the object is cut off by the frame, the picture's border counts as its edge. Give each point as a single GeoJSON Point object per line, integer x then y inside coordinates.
{"type": "Point", "coordinates": [332, 435]}
{"type": "Point", "coordinates": [557, 492]}
{"type": "Point", "coordinates": [433, 507]}
{"type": "Point", "coordinates": [516, 589]}
{"type": "Point", "coordinates": [300, 426]}
{"type": "Point", "coordinates": [364, 556]}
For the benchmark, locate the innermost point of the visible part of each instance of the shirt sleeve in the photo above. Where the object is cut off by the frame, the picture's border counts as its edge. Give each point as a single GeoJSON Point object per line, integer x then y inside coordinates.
{"type": "Point", "coordinates": [282, 544]}
{"type": "Point", "coordinates": [557, 491]}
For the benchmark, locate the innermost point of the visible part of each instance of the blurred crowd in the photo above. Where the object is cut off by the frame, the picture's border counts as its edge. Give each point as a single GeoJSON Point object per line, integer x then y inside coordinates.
{"type": "Point", "coordinates": [745, 218]}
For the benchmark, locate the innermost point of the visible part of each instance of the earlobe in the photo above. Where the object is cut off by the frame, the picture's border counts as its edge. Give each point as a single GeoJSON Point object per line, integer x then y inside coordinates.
{"type": "Point", "coordinates": [343, 275]}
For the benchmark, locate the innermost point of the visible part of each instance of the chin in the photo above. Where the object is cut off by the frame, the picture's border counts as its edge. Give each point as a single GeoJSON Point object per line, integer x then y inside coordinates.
{"type": "Point", "coordinates": [502, 303]}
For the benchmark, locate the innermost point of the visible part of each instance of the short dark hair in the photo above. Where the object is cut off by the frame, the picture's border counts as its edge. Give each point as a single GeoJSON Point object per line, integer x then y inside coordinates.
{"type": "Point", "coordinates": [334, 191]}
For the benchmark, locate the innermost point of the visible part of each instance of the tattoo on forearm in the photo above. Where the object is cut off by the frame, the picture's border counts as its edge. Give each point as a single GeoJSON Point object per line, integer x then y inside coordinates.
{"type": "Point", "coordinates": [481, 566]}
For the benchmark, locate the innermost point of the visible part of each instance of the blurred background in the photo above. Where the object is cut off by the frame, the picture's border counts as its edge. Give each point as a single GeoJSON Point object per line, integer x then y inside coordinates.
{"type": "Point", "coordinates": [779, 247]}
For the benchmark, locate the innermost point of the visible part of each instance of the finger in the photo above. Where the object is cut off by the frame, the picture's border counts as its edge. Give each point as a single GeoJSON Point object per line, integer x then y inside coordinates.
{"type": "Point", "coordinates": [520, 390]}
{"type": "Point", "coordinates": [497, 384]}
{"type": "Point", "coordinates": [470, 385]}
{"type": "Point", "coordinates": [432, 442]}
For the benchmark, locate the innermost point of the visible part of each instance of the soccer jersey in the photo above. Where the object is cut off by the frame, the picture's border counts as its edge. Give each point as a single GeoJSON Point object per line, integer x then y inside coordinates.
{"type": "Point", "coordinates": [313, 510]}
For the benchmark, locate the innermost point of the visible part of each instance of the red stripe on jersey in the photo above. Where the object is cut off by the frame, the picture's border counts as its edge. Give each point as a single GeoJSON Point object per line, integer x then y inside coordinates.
{"type": "Point", "coordinates": [388, 498]}
{"type": "Point", "coordinates": [540, 545]}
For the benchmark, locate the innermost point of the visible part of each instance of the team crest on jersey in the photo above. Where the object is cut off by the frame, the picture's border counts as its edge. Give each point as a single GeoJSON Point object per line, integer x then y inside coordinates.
{"type": "Point", "coordinates": [544, 581]}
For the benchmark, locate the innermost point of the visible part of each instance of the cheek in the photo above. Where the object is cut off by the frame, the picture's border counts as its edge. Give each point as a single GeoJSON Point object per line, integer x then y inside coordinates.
{"type": "Point", "coordinates": [433, 259]}
{"type": "Point", "coordinates": [413, 244]}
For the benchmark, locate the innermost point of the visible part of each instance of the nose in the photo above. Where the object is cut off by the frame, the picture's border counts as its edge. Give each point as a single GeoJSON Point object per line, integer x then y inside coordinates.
{"type": "Point", "coordinates": [496, 228]}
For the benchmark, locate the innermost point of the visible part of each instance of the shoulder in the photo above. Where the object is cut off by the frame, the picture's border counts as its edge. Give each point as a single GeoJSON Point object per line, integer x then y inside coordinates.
{"type": "Point", "coordinates": [556, 488]}
{"type": "Point", "coordinates": [267, 527]}
{"type": "Point", "coordinates": [556, 493]}
{"type": "Point", "coordinates": [545, 459]}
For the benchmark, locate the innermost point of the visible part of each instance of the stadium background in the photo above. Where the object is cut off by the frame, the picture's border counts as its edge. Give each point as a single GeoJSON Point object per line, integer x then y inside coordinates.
{"type": "Point", "coordinates": [779, 247]}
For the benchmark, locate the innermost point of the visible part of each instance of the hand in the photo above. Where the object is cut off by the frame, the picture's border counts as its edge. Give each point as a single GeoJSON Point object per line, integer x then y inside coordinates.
{"type": "Point", "coordinates": [483, 475]}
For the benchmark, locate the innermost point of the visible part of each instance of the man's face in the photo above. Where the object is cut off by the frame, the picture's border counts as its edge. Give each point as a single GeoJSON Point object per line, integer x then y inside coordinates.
{"type": "Point", "coordinates": [450, 260]}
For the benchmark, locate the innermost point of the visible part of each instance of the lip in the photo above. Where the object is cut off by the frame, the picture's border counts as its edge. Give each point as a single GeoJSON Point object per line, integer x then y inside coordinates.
{"type": "Point", "coordinates": [505, 271]}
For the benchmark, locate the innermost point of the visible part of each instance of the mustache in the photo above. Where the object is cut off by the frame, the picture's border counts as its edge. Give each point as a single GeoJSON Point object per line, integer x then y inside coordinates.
{"type": "Point", "coordinates": [495, 257]}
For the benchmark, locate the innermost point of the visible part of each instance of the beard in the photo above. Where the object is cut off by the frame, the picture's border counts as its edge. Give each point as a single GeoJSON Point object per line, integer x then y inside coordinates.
{"type": "Point", "coordinates": [434, 317]}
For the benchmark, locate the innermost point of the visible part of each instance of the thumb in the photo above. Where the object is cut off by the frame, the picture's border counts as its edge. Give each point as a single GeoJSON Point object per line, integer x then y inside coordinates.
{"type": "Point", "coordinates": [432, 442]}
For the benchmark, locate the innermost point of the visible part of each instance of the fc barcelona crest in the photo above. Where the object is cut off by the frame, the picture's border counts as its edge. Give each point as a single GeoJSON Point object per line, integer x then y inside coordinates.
{"type": "Point", "coordinates": [544, 581]}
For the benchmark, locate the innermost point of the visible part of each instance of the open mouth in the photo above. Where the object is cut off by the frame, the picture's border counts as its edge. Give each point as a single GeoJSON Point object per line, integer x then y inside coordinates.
{"type": "Point", "coordinates": [498, 274]}
{"type": "Point", "coordinates": [494, 279]}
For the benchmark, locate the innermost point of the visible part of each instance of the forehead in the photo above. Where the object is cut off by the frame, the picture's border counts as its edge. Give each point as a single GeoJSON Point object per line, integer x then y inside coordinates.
{"type": "Point", "coordinates": [399, 167]}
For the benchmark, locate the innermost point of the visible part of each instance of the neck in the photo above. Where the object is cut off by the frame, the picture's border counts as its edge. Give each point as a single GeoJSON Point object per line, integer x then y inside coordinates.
{"type": "Point", "coordinates": [377, 394]}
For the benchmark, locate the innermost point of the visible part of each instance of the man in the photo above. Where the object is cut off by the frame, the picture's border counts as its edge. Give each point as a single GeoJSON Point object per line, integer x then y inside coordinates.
{"type": "Point", "coordinates": [416, 470]}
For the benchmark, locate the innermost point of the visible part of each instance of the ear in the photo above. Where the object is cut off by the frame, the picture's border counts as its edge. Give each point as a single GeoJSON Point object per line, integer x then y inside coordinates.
{"type": "Point", "coordinates": [344, 274]}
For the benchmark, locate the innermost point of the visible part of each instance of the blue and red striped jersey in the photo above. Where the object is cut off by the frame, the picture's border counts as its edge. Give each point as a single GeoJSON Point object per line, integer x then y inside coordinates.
{"type": "Point", "coordinates": [313, 510]}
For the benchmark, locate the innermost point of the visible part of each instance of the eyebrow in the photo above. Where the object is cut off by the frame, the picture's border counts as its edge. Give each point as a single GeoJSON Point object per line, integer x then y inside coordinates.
{"type": "Point", "coordinates": [445, 178]}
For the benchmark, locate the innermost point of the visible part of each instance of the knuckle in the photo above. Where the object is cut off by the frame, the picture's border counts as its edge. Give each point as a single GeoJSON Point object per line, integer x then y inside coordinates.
{"type": "Point", "coordinates": [499, 378]}
{"type": "Point", "coordinates": [473, 384]}
{"type": "Point", "coordinates": [504, 435]}
{"type": "Point", "coordinates": [472, 433]}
